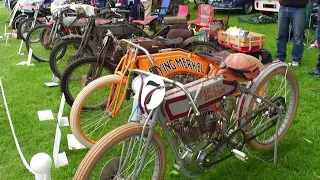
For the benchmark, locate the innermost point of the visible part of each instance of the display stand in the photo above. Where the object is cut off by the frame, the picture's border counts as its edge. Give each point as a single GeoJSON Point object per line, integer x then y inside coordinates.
{"type": "Point", "coordinates": [62, 121]}
{"type": "Point", "coordinates": [20, 48]}
{"type": "Point", "coordinates": [6, 35]}
{"type": "Point", "coordinates": [60, 159]}
{"type": "Point", "coordinates": [275, 150]}
{"type": "Point", "coordinates": [55, 82]}
{"type": "Point", "coordinates": [28, 62]}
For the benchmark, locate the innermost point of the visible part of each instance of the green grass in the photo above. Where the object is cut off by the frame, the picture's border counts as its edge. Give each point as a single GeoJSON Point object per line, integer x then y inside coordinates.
{"type": "Point", "coordinates": [26, 94]}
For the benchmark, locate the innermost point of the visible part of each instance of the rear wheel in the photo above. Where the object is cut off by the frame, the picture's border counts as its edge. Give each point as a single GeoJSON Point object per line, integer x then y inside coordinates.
{"type": "Point", "coordinates": [280, 86]}
{"type": "Point", "coordinates": [117, 153]}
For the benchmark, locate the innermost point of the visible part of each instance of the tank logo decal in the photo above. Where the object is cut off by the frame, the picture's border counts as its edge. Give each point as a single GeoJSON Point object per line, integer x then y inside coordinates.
{"type": "Point", "coordinates": [179, 63]}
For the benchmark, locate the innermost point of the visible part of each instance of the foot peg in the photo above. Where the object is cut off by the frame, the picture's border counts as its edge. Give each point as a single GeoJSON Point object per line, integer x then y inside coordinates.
{"type": "Point", "coordinates": [240, 155]}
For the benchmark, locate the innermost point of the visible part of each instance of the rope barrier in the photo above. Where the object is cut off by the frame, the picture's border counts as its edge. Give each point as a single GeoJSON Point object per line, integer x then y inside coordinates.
{"type": "Point", "coordinates": [25, 163]}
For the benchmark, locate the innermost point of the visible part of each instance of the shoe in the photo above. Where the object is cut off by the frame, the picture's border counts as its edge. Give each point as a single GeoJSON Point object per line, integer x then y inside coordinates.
{"type": "Point", "coordinates": [295, 64]}
{"type": "Point", "coordinates": [315, 72]}
{"type": "Point", "coordinates": [146, 30]}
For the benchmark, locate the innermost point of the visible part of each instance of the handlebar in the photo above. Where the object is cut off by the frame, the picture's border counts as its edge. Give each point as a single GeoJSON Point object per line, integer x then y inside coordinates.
{"type": "Point", "coordinates": [141, 48]}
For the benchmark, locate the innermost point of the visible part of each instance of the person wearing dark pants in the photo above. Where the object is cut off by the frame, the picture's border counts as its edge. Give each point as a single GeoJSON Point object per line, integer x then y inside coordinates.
{"type": "Point", "coordinates": [291, 12]}
{"type": "Point", "coordinates": [317, 70]}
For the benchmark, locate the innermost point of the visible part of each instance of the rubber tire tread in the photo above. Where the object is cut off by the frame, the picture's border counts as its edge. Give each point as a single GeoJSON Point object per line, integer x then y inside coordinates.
{"type": "Point", "coordinates": [108, 141]}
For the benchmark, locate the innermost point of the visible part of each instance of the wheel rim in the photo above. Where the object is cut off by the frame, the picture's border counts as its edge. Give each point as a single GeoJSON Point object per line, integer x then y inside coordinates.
{"type": "Point", "coordinates": [273, 89]}
{"type": "Point", "coordinates": [248, 8]}
{"type": "Point", "coordinates": [120, 160]}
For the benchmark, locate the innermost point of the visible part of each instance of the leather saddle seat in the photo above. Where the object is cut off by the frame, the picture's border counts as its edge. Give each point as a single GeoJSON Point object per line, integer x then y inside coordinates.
{"type": "Point", "coordinates": [214, 56]}
{"type": "Point", "coordinates": [146, 21]}
{"type": "Point", "coordinates": [169, 41]}
{"type": "Point", "coordinates": [240, 67]}
{"type": "Point", "coordinates": [101, 21]}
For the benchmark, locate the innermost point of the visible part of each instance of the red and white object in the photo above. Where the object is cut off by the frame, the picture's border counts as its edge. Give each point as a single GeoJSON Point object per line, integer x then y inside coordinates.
{"type": "Point", "coordinates": [267, 5]}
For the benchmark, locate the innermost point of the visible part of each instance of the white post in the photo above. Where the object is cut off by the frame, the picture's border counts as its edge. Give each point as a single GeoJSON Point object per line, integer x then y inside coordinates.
{"type": "Point", "coordinates": [20, 48]}
{"type": "Point", "coordinates": [41, 166]}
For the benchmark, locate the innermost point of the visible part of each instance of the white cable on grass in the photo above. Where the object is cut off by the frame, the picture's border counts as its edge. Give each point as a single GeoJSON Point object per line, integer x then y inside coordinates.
{"type": "Point", "coordinates": [25, 163]}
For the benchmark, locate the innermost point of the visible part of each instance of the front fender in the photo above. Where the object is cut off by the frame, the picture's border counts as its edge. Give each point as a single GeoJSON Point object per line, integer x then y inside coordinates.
{"type": "Point", "coordinates": [187, 42]}
{"type": "Point", "coordinates": [72, 36]}
{"type": "Point", "coordinates": [245, 99]}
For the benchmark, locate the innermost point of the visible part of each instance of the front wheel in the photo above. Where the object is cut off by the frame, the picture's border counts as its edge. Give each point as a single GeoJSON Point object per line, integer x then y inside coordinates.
{"type": "Point", "coordinates": [79, 74]}
{"type": "Point", "coordinates": [25, 26]}
{"type": "Point", "coordinates": [280, 86]}
{"type": "Point", "coordinates": [116, 155]}
{"type": "Point", "coordinates": [64, 53]}
{"type": "Point", "coordinates": [90, 118]}
{"type": "Point", "coordinates": [38, 39]}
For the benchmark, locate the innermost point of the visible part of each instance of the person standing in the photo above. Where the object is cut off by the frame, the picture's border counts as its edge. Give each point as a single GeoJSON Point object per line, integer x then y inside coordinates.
{"type": "Point", "coordinates": [147, 4]}
{"type": "Point", "coordinates": [317, 70]}
{"type": "Point", "coordinates": [291, 12]}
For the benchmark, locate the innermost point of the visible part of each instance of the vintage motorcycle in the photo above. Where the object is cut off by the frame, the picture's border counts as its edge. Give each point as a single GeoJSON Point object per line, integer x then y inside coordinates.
{"type": "Point", "coordinates": [203, 122]}
{"type": "Point", "coordinates": [100, 105]}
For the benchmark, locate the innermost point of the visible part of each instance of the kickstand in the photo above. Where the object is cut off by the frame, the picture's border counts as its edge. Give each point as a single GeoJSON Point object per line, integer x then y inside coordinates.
{"type": "Point", "coordinates": [275, 150]}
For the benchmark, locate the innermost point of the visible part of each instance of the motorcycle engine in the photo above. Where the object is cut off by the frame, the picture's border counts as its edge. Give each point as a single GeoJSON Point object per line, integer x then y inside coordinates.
{"type": "Point", "coordinates": [188, 131]}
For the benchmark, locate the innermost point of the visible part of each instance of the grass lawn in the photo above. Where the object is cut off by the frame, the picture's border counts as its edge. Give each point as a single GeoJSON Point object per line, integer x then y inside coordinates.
{"type": "Point", "coordinates": [298, 156]}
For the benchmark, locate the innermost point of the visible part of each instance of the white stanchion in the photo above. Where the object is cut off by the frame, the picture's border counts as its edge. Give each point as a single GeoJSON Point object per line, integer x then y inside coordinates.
{"type": "Point", "coordinates": [62, 121]}
{"type": "Point", "coordinates": [54, 81]}
{"type": "Point", "coordinates": [28, 62]}
{"type": "Point", "coordinates": [60, 159]}
{"type": "Point", "coordinates": [41, 165]}
{"type": "Point", "coordinates": [20, 48]}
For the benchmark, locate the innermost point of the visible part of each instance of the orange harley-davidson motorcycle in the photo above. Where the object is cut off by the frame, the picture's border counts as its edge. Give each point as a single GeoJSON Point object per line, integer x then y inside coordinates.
{"type": "Point", "coordinates": [101, 106]}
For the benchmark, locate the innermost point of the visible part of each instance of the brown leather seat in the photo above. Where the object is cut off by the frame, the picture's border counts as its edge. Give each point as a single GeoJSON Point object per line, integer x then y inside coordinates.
{"type": "Point", "coordinates": [145, 21]}
{"type": "Point", "coordinates": [240, 67]}
{"type": "Point", "coordinates": [214, 56]}
{"type": "Point", "coordinates": [103, 21]}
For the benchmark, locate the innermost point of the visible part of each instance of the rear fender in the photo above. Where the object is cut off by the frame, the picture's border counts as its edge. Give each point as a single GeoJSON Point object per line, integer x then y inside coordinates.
{"type": "Point", "coordinates": [245, 99]}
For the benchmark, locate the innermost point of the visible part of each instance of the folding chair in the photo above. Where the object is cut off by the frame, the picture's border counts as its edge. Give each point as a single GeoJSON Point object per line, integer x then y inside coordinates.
{"type": "Point", "coordinates": [311, 24]}
{"type": "Point", "coordinates": [180, 18]}
{"type": "Point", "coordinates": [204, 16]}
{"type": "Point", "coordinates": [183, 11]}
{"type": "Point", "coordinates": [163, 9]}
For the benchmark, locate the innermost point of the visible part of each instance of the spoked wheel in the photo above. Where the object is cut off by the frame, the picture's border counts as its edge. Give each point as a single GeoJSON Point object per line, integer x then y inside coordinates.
{"type": "Point", "coordinates": [79, 74]}
{"type": "Point", "coordinates": [118, 156]}
{"type": "Point", "coordinates": [25, 26]}
{"type": "Point", "coordinates": [38, 40]}
{"type": "Point", "coordinates": [16, 21]}
{"type": "Point", "coordinates": [64, 53]}
{"type": "Point", "coordinates": [280, 87]}
{"type": "Point", "coordinates": [90, 119]}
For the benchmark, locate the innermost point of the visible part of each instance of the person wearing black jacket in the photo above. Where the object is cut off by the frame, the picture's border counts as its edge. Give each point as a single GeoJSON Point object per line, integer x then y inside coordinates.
{"type": "Point", "coordinates": [291, 12]}
{"type": "Point", "coordinates": [317, 70]}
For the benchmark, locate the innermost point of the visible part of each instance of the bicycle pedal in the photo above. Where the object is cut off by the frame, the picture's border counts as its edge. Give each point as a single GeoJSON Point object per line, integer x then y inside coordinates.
{"type": "Point", "coordinates": [239, 155]}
